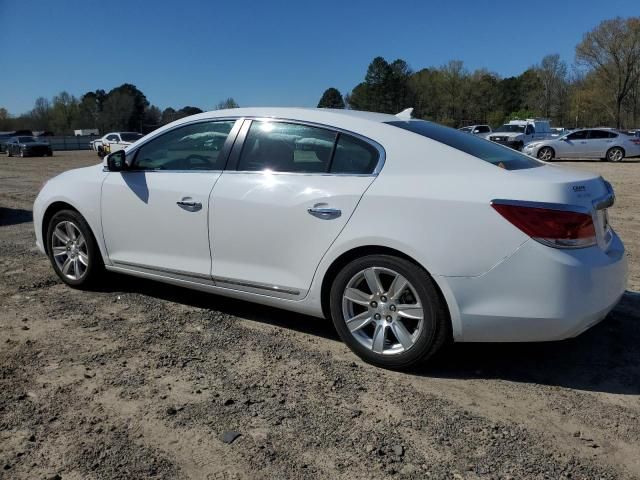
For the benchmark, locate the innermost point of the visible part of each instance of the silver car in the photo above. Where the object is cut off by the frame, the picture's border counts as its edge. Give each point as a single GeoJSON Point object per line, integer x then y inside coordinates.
{"type": "Point", "coordinates": [602, 143]}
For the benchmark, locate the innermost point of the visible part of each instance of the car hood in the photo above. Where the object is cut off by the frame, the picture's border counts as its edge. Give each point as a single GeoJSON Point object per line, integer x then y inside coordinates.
{"type": "Point", "coordinates": [505, 134]}
{"type": "Point", "coordinates": [35, 144]}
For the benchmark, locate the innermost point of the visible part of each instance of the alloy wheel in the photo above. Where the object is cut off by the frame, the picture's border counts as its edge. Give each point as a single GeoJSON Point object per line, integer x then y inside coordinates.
{"type": "Point", "coordinates": [69, 248]}
{"type": "Point", "coordinates": [382, 311]}
{"type": "Point", "coordinates": [545, 154]}
{"type": "Point", "coordinates": [615, 155]}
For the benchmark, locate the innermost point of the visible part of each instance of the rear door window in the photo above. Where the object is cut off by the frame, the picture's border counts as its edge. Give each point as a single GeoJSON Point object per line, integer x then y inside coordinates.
{"type": "Point", "coordinates": [581, 135]}
{"type": "Point", "coordinates": [598, 134]}
{"type": "Point", "coordinates": [490, 152]}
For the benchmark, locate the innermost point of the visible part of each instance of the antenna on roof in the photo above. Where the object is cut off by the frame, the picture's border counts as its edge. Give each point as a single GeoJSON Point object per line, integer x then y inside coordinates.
{"type": "Point", "coordinates": [405, 114]}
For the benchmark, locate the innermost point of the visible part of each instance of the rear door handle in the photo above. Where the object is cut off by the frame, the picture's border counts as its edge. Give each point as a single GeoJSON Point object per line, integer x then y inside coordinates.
{"type": "Point", "coordinates": [325, 213]}
{"type": "Point", "coordinates": [188, 204]}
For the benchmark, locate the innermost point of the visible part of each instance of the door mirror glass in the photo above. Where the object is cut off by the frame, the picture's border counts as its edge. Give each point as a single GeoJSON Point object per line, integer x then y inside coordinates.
{"type": "Point", "coordinates": [117, 161]}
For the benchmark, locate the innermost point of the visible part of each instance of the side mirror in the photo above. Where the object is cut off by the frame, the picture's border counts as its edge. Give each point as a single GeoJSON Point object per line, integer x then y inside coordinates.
{"type": "Point", "coordinates": [117, 161]}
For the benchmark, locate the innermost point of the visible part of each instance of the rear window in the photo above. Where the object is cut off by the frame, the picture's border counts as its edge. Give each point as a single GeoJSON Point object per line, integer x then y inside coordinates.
{"type": "Point", "coordinates": [490, 152]}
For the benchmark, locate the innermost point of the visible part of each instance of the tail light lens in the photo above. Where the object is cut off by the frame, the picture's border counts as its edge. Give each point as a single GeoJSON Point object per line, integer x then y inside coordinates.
{"type": "Point", "coordinates": [556, 228]}
{"type": "Point", "coordinates": [635, 141]}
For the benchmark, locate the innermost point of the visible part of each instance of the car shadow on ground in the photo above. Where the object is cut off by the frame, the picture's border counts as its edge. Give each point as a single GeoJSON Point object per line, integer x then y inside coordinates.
{"type": "Point", "coordinates": [14, 216]}
{"type": "Point", "coordinates": [606, 358]}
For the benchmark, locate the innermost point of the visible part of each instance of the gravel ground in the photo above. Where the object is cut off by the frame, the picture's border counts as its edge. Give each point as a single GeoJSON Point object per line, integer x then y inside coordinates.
{"type": "Point", "coordinates": [144, 380]}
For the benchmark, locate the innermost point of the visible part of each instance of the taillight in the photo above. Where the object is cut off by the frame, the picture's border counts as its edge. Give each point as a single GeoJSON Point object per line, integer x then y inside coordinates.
{"type": "Point", "coordinates": [635, 141]}
{"type": "Point", "coordinates": [553, 227]}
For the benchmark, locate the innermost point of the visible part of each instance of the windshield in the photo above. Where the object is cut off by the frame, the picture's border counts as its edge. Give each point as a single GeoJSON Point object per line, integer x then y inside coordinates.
{"type": "Point", "coordinates": [26, 139]}
{"type": "Point", "coordinates": [510, 128]}
{"type": "Point", "coordinates": [490, 152]}
{"type": "Point", "coordinates": [130, 137]}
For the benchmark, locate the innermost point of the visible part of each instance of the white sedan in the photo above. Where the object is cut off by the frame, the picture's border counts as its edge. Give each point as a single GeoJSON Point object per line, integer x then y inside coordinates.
{"type": "Point", "coordinates": [404, 232]}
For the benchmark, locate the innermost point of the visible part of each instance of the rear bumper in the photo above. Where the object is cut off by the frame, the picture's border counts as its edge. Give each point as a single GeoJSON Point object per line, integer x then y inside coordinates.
{"type": "Point", "coordinates": [540, 294]}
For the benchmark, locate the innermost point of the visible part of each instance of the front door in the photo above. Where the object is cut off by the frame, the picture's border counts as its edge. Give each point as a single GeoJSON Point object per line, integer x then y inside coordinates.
{"type": "Point", "coordinates": [573, 145]}
{"type": "Point", "coordinates": [155, 214]}
{"type": "Point", "coordinates": [293, 189]}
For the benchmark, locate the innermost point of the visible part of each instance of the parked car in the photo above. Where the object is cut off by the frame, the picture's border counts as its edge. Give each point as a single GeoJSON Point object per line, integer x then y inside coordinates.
{"type": "Point", "coordinates": [559, 131]}
{"type": "Point", "coordinates": [476, 129]}
{"type": "Point", "coordinates": [605, 144]}
{"type": "Point", "coordinates": [4, 138]}
{"type": "Point", "coordinates": [28, 147]}
{"type": "Point", "coordinates": [114, 141]}
{"type": "Point", "coordinates": [517, 133]}
{"type": "Point", "coordinates": [404, 232]}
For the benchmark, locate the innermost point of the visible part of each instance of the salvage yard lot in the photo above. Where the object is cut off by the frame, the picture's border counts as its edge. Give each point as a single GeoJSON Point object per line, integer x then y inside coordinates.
{"type": "Point", "coordinates": [139, 379]}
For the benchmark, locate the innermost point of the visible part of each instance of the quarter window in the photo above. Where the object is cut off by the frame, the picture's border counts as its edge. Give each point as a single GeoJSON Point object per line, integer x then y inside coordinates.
{"type": "Point", "coordinates": [192, 147]}
{"type": "Point", "coordinates": [112, 138]}
{"type": "Point", "coordinates": [353, 156]}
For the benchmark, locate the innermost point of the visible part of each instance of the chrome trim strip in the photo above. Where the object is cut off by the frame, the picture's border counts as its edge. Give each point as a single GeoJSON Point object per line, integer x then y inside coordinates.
{"type": "Point", "coordinates": [163, 270]}
{"type": "Point", "coordinates": [260, 286]}
{"type": "Point", "coordinates": [229, 281]}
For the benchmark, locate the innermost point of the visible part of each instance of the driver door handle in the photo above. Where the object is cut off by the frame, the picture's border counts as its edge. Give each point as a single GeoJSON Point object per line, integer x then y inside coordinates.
{"type": "Point", "coordinates": [325, 213]}
{"type": "Point", "coordinates": [188, 204]}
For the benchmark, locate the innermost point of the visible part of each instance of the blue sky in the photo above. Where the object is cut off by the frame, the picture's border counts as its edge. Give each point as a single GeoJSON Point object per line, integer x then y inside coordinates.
{"type": "Point", "coordinates": [269, 52]}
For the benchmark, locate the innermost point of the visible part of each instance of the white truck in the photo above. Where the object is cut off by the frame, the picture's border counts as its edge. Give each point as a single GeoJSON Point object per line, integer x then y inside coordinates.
{"type": "Point", "coordinates": [517, 133]}
{"type": "Point", "coordinates": [114, 141]}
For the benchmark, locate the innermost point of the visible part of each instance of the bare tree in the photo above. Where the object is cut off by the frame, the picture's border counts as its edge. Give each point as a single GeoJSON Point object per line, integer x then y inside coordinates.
{"type": "Point", "coordinates": [612, 49]}
{"type": "Point", "coordinates": [553, 77]}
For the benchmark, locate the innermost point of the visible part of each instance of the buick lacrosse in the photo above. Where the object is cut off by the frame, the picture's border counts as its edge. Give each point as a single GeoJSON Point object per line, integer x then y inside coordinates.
{"type": "Point", "coordinates": [404, 232]}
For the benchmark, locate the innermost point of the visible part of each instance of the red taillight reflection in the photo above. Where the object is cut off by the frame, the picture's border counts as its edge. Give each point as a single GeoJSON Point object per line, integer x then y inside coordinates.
{"type": "Point", "coordinates": [556, 227]}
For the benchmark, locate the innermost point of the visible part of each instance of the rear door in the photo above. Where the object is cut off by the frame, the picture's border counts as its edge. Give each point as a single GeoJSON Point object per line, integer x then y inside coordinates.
{"type": "Point", "coordinates": [290, 190]}
{"type": "Point", "coordinates": [598, 142]}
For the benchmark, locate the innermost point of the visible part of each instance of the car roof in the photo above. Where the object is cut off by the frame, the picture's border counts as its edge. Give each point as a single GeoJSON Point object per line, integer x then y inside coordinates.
{"type": "Point", "coordinates": [299, 113]}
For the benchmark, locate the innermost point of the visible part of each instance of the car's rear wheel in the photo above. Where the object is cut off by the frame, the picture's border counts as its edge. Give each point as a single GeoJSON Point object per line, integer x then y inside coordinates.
{"type": "Point", "coordinates": [73, 250]}
{"type": "Point", "coordinates": [546, 154]}
{"type": "Point", "coordinates": [388, 311]}
{"type": "Point", "coordinates": [615, 154]}
{"type": "Point", "coordinates": [8, 152]}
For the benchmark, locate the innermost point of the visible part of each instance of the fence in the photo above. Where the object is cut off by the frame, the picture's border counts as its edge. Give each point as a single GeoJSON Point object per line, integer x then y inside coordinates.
{"type": "Point", "coordinates": [69, 142]}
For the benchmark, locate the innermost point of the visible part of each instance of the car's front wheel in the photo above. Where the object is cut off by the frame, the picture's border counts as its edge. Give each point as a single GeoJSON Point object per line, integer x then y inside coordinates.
{"type": "Point", "coordinates": [546, 154]}
{"type": "Point", "coordinates": [73, 250]}
{"type": "Point", "coordinates": [388, 311]}
{"type": "Point", "coordinates": [615, 154]}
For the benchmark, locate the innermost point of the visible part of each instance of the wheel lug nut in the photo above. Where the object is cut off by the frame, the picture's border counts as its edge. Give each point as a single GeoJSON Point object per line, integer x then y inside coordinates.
{"type": "Point", "coordinates": [383, 298]}
{"type": "Point", "coordinates": [392, 308]}
{"type": "Point", "coordinates": [389, 318]}
{"type": "Point", "coordinates": [374, 304]}
{"type": "Point", "coordinates": [377, 316]}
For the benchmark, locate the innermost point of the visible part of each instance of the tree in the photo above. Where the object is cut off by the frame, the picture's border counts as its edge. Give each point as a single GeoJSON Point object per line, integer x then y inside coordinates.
{"type": "Point", "coordinates": [331, 98]}
{"type": "Point", "coordinates": [225, 104]}
{"type": "Point", "coordinates": [139, 104]}
{"type": "Point", "coordinates": [612, 50]}
{"type": "Point", "coordinates": [168, 115]}
{"type": "Point", "coordinates": [41, 114]}
{"type": "Point", "coordinates": [118, 110]}
{"type": "Point", "coordinates": [64, 113]}
{"type": "Point", "coordinates": [553, 76]}
{"type": "Point", "coordinates": [152, 119]}
{"type": "Point", "coordinates": [385, 88]}
{"type": "Point", "coordinates": [188, 111]}
{"type": "Point", "coordinates": [4, 119]}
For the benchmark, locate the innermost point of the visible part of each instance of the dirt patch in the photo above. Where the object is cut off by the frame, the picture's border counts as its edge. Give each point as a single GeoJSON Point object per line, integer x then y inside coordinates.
{"type": "Point", "coordinates": [143, 380]}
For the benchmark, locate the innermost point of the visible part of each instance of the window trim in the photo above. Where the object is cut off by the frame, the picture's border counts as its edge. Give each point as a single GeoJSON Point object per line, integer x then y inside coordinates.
{"type": "Point", "coordinates": [234, 158]}
{"type": "Point", "coordinates": [226, 148]}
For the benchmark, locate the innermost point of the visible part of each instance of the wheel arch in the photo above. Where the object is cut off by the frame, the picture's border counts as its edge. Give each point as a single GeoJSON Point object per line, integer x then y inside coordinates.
{"type": "Point", "coordinates": [343, 259]}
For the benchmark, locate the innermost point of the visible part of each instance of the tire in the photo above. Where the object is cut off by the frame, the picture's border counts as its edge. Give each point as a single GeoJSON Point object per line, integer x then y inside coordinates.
{"type": "Point", "coordinates": [425, 337]}
{"type": "Point", "coordinates": [615, 154]}
{"type": "Point", "coordinates": [21, 154]}
{"type": "Point", "coordinates": [519, 146]}
{"type": "Point", "coordinates": [86, 264]}
{"type": "Point", "coordinates": [546, 154]}
{"type": "Point", "coordinates": [8, 152]}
